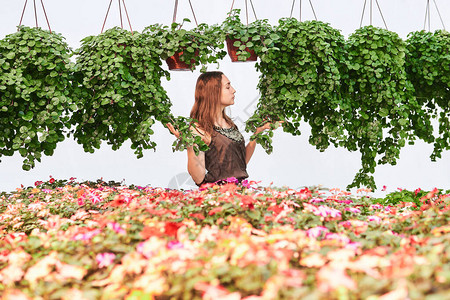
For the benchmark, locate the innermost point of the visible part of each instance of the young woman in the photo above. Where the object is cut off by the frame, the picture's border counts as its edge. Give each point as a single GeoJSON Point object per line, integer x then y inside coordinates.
{"type": "Point", "coordinates": [227, 155]}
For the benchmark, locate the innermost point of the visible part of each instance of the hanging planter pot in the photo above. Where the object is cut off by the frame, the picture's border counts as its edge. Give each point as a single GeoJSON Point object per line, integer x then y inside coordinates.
{"type": "Point", "coordinates": [184, 50]}
{"type": "Point", "coordinates": [233, 51]}
{"type": "Point", "coordinates": [246, 42]}
{"type": "Point", "coordinates": [175, 63]}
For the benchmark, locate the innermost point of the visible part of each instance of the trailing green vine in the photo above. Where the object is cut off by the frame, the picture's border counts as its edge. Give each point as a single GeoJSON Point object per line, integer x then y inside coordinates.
{"type": "Point", "coordinates": [300, 80]}
{"type": "Point", "coordinates": [35, 93]}
{"type": "Point", "coordinates": [118, 77]}
{"type": "Point", "coordinates": [428, 67]}
{"type": "Point", "coordinates": [384, 112]}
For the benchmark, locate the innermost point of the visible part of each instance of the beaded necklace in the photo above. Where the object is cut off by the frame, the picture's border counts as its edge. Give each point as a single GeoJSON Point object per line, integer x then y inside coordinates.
{"type": "Point", "coordinates": [231, 133]}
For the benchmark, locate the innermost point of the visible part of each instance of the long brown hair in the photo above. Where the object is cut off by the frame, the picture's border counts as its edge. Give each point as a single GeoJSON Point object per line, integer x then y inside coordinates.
{"type": "Point", "coordinates": [208, 93]}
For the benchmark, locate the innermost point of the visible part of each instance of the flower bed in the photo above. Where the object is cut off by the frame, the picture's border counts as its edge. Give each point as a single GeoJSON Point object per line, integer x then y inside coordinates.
{"type": "Point", "coordinates": [69, 240]}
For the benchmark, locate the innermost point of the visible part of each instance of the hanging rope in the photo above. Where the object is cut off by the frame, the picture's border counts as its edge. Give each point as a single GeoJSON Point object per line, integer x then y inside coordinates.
{"type": "Point", "coordinates": [362, 16]}
{"type": "Point", "coordinates": [371, 13]}
{"type": "Point", "coordinates": [246, 9]}
{"type": "Point", "coordinates": [23, 11]}
{"type": "Point", "coordinates": [312, 8]}
{"type": "Point", "coordinates": [381, 13]}
{"type": "Point", "coordinates": [128, 18]}
{"type": "Point", "coordinates": [35, 14]}
{"type": "Point", "coordinates": [120, 15]}
{"type": "Point", "coordinates": [45, 14]}
{"type": "Point", "coordinates": [107, 12]}
{"type": "Point", "coordinates": [427, 11]}
{"type": "Point", "coordinates": [175, 10]}
{"type": "Point", "coordinates": [439, 13]}
{"type": "Point", "coordinates": [193, 13]}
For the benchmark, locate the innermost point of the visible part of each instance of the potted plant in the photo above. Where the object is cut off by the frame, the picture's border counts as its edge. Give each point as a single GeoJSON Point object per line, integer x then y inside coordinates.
{"type": "Point", "coordinates": [186, 49]}
{"type": "Point", "coordinates": [300, 81]}
{"type": "Point", "coordinates": [428, 68]}
{"type": "Point", "coordinates": [35, 93]}
{"type": "Point", "coordinates": [118, 86]}
{"type": "Point", "coordinates": [384, 113]}
{"type": "Point", "coordinates": [244, 41]}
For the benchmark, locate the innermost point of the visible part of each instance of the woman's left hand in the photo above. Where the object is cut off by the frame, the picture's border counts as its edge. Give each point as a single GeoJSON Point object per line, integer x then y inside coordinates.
{"type": "Point", "coordinates": [267, 126]}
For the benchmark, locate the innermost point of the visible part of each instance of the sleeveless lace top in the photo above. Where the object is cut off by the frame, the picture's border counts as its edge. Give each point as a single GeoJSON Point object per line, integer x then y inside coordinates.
{"type": "Point", "coordinates": [226, 156]}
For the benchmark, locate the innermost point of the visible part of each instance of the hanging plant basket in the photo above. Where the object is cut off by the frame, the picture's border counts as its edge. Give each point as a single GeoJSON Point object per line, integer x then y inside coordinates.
{"type": "Point", "coordinates": [176, 64]}
{"type": "Point", "coordinates": [232, 51]}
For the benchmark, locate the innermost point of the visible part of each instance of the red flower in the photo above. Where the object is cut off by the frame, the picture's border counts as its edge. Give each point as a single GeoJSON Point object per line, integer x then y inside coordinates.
{"type": "Point", "coordinates": [52, 180]}
{"type": "Point", "coordinates": [171, 228]}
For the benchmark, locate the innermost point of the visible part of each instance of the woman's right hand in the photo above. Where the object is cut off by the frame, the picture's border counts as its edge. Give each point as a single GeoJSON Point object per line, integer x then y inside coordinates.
{"type": "Point", "coordinates": [172, 129]}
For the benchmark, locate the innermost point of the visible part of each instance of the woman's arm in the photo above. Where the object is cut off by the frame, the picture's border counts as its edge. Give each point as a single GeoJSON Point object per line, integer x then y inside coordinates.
{"type": "Point", "coordinates": [250, 148]}
{"type": "Point", "coordinates": [196, 165]}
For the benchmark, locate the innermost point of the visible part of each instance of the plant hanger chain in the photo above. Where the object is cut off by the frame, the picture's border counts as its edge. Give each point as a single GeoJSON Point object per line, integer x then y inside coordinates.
{"type": "Point", "coordinates": [246, 9]}
{"type": "Point", "coordinates": [175, 10]}
{"type": "Point", "coordinates": [120, 15]}
{"type": "Point", "coordinates": [310, 3]}
{"type": "Point", "coordinates": [428, 15]}
{"type": "Point", "coordinates": [371, 14]}
{"type": "Point", "coordinates": [35, 14]}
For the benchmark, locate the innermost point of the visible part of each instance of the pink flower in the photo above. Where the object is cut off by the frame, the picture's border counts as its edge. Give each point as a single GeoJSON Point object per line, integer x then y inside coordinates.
{"type": "Point", "coordinates": [105, 259]}
{"type": "Point", "coordinates": [326, 211]}
{"type": "Point", "coordinates": [174, 245]}
{"type": "Point", "coordinates": [116, 227]}
{"type": "Point", "coordinates": [86, 236]}
{"type": "Point", "coordinates": [376, 219]}
{"type": "Point", "coordinates": [376, 206]}
{"type": "Point", "coordinates": [354, 210]}
{"type": "Point", "coordinates": [384, 188]}
{"type": "Point", "coordinates": [316, 200]}
{"type": "Point", "coordinates": [315, 232]}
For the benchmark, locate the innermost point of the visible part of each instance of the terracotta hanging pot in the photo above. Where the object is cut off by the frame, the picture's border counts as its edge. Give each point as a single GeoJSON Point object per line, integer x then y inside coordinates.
{"type": "Point", "coordinates": [176, 64]}
{"type": "Point", "coordinates": [232, 51]}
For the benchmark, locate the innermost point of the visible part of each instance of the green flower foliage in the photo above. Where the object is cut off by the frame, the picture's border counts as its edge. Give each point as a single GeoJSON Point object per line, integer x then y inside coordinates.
{"type": "Point", "coordinates": [384, 113]}
{"type": "Point", "coordinates": [300, 80]}
{"type": "Point", "coordinates": [428, 66]}
{"type": "Point", "coordinates": [118, 87]}
{"type": "Point", "coordinates": [200, 45]}
{"type": "Point", "coordinates": [35, 93]}
{"type": "Point", "coordinates": [254, 36]}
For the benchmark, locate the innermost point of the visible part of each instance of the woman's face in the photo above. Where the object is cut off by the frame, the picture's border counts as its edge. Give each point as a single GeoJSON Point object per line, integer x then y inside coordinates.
{"type": "Point", "coordinates": [227, 92]}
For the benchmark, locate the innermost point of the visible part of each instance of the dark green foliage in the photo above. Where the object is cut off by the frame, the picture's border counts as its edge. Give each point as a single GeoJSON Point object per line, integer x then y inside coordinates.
{"type": "Point", "coordinates": [35, 93]}
{"type": "Point", "coordinates": [200, 45]}
{"type": "Point", "coordinates": [118, 87]}
{"type": "Point", "coordinates": [300, 80]}
{"type": "Point", "coordinates": [428, 67]}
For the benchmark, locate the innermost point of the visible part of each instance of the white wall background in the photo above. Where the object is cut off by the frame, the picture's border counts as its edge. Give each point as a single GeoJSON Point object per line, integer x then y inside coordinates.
{"type": "Point", "coordinates": [294, 162]}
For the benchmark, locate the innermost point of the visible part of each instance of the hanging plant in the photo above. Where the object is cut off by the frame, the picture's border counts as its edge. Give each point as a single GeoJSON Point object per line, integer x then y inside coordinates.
{"type": "Point", "coordinates": [244, 42]}
{"type": "Point", "coordinates": [200, 45]}
{"type": "Point", "coordinates": [428, 65]}
{"type": "Point", "coordinates": [118, 77]}
{"type": "Point", "coordinates": [35, 93]}
{"type": "Point", "coordinates": [301, 80]}
{"type": "Point", "coordinates": [384, 113]}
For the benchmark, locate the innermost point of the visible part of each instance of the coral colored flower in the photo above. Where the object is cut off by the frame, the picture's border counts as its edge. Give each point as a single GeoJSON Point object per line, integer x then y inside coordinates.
{"type": "Point", "coordinates": [213, 211]}
{"type": "Point", "coordinates": [105, 259]}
